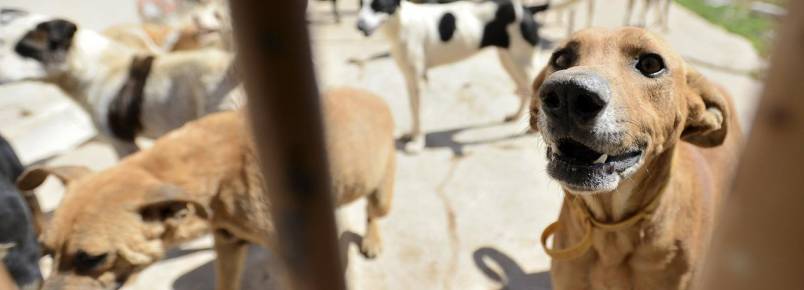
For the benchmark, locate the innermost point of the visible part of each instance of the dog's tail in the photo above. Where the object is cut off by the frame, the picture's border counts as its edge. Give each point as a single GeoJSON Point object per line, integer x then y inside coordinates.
{"type": "Point", "coordinates": [538, 8]}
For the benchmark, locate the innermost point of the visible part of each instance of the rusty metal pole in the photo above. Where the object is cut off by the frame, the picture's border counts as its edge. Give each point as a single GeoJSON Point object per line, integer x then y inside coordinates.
{"type": "Point", "coordinates": [275, 61]}
{"type": "Point", "coordinates": [759, 242]}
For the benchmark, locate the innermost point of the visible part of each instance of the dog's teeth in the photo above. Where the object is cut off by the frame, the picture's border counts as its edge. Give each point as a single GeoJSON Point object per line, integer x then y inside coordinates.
{"type": "Point", "coordinates": [602, 159]}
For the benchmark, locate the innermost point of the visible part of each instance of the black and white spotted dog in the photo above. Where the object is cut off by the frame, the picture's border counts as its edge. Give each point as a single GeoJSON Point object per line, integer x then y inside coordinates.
{"type": "Point", "coordinates": [423, 36]}
{"type": "Point", "coordinates": [126, 94]}
{"type": "Point", "coordinates": [19, 248]}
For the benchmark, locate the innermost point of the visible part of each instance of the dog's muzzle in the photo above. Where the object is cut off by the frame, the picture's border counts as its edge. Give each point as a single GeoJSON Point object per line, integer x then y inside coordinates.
{"type": "Point", "coordinates": [574, 99]}
{"type": "Point", "coordinates": [364, 27]}
{"type": "Point", "coordinates": [584, 152]}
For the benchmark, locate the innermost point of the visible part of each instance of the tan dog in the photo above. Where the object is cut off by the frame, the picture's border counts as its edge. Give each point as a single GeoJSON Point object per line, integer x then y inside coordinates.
{"type": "Point", "coordinates": [159, 39]}
{"type": "Point", "coordinates": [643, 146]}
{"type": "Point", "coordinates": [199, 24]}
{"type": "Point", "coordinates": [114, 223]}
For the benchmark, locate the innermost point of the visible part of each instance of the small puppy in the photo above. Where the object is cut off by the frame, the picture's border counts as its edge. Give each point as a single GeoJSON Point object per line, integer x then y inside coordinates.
{"type": "Point", "coordinates": [644, 147]}
{"type": "Point", "coordinates": [126, 94]}
{"type": "Point", "coordinates": [114, 223]}
{"type": "Point", "coordinates": [19, 249]}
{"type": "Point", "coordinates": [423, 36]}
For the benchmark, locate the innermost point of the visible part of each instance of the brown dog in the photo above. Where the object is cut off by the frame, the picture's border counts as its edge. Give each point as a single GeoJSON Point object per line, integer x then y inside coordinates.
{"type": "Point", "coordinates": [114, 223]}
{"type": "Point", "coordinates": [643, 146]}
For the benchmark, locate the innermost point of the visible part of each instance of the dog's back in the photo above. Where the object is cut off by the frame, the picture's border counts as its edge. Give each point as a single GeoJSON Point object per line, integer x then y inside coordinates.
{"type": "Point", "coordinates": [16, 227]}
{"type": "Point", "coordinates": [357, 121]}
{"type": "Point", "coordinates": [455, 31]}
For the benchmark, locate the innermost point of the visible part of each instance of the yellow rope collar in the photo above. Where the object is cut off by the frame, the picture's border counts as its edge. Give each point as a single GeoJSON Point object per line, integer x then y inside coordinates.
{"type": "Point", "coordinates": [589, 223]}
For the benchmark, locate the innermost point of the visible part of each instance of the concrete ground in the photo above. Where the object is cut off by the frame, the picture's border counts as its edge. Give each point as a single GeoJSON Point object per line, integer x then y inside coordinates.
{"type": "Point", "coordinates": [468, 210]}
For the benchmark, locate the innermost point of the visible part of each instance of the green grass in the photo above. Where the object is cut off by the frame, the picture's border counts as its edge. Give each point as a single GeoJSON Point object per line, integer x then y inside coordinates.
{"type": "Point", "coordinates": [738, 20]}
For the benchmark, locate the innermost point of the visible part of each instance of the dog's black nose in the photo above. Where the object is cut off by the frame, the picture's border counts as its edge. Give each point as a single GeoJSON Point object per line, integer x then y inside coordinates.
{"type": "Point", "coordinates": [574, 97]}
{"type": "Point", "coordinates": [363, 27]}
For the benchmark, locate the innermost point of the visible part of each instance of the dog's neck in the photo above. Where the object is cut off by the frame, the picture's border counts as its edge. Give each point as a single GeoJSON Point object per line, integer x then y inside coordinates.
{"type": "Point", "coordinates": [202, 159]}
{"type": "Point", "coordinates": [635, 193]}
{"type": "Point", "coordinates": [393, 25]}
{"type": "Point", "coordinates": [91, 58]}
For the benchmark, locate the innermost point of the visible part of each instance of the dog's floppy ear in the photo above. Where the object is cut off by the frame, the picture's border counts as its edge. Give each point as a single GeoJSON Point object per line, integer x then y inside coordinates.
{"type": "Point", "coordinates": [35, 176]}
{"type": "Point", "coordinates": [535, 101]}
{"type": "Point", "coordinates": [708, 115]}
{"type": "Point", "coordinates": [171, 206]}
{"type": "Point", "coordinates": [48, 42]}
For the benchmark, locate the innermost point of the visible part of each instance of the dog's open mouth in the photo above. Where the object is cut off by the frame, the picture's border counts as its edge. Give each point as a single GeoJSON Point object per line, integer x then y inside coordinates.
{"type": "Point", "coordinates": [583, 168]}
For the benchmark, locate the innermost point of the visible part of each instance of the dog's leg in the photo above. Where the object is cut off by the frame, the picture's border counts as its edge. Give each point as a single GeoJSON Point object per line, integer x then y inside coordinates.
{"type": "Point", "coordinates": [412, 67]}
{"type": "Point", "coordinates": [335, 12]}
{"type": "Point", "coordinates": [643, 16]}
{"type": "Point", "coordinates": [664, 15]}
{"type": "Point", "coordinates": [571, 21]}
{"type": "Point", "coordinates": [518, 65]}
{"type": "Point", "coordinates": [416, 138]}
{"type": "Point", "coordinates": [560, 17]}
{"type": "Point", "coordinates": [379, 203]}
{"type": "Point", "coordinates": [231, 253]}
{"type": "Point", "coordinates": [629, 9]}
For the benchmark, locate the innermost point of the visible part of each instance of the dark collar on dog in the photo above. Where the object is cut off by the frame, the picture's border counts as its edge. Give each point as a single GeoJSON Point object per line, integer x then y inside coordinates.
{"type": "Point", "coordinates": [125, 108]}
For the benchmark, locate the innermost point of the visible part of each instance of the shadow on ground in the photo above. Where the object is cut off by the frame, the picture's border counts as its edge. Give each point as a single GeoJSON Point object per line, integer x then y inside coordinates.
{"type": "Point", "coordinates": [257, 275]}
{"type": "Point", "coordinates": [178, 253]}
{"type": "Point", "coordinates": [347, 239]}
{"type": "Point", "coordinates": [260, 270]}
{"type": "Point", "coordinates": [503, 269]}
{"type": "Point", "coordinates": [446, 139]}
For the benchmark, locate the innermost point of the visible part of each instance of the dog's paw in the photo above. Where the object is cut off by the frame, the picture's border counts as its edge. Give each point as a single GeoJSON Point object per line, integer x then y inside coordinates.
{"type": "Point", "coordinates": [414, 145]}
{"type": "Point", "coordinates": [371, 248]}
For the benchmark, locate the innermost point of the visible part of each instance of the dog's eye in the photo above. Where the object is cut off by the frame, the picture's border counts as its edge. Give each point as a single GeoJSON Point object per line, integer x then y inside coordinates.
{"type": "Point", "coordinates": [563, 59]}
{"type": "Point", "coordinates": [650, 65]}
{"type": "Point", "coordinates": [86, 262]}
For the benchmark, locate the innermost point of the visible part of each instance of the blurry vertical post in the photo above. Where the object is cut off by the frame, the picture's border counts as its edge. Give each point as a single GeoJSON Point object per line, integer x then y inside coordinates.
{"type": "Point", "coordinates": [759, 242]}
{"type": "Point", "coordinates": [275, 62]}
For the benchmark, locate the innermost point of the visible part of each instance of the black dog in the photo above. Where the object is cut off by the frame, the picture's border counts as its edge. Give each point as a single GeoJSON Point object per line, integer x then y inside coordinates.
{"type": "Point", "coordinates": [16, 224]}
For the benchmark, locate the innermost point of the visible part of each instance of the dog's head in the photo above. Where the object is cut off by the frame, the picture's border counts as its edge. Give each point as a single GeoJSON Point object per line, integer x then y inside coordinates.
{"type": "Point", "coordinates": [32, 46]}
{"type": "Point", "coordinates": [112, 224]}
{"type": "Point", "coordinates": [611, 101]}
{"type": "Point", "coordinates": [212, 24]}
{"type": "Point", "coordinates": [373, 13]}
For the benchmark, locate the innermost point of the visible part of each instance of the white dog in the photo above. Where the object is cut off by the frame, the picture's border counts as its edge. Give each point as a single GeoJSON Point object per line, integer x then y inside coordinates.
{"type": "Point", "coordinates": [423, 36]}
{"type": "Point", "coordinates": [127, 95]}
